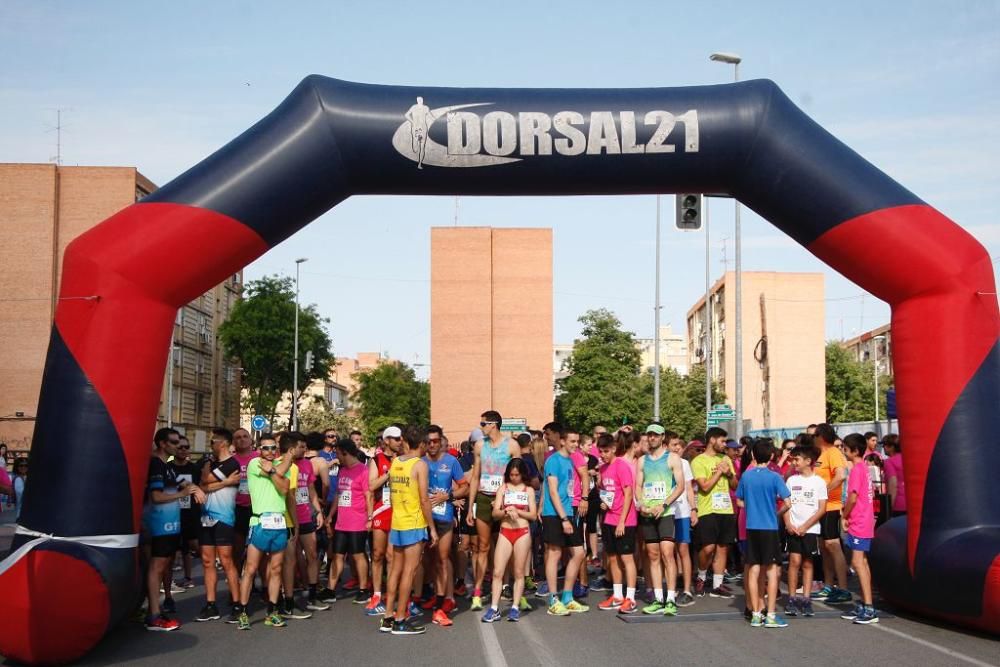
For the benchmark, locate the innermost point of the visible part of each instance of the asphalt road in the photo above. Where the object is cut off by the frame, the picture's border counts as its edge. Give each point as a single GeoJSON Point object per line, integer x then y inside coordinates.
{"type": "Point", "coordinates": [711, 632]}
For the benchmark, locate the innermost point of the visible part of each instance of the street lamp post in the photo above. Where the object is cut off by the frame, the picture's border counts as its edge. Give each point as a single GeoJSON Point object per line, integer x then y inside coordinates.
{"type": "Point", "coordinates": [656, 323]}
{"type": "Point", "coordinates": [707, 332]}
{"type": "Point", "coordinates": [295, 368]}
{"type": "Point", "coordinates": [735, 60]}
{"type": "Point", "coordinates": [875, 341]}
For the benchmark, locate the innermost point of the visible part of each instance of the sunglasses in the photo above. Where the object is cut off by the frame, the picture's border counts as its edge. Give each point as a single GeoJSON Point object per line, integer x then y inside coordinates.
{"type": "Point", "coordinates": [269, 448]}
{"type": "Point", "coordinates": [183, 446]}
{"type": "Point", "coordinates": [174, 442]}
{"type": "Point", "coordinates": [485, 424]}
{"type": "Point", "coordinates": [433, 440]}
{"type": "Point", "coordinates": [330, 435]}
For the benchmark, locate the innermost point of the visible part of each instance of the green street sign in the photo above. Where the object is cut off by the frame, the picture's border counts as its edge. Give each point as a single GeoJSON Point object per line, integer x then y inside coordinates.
{"type": "Point", "coordinates": [514, 425]}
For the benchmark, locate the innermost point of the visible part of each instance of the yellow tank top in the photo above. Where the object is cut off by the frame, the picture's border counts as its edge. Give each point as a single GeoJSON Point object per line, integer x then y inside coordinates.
{"type": "Point", "coordinates": [406, 513]}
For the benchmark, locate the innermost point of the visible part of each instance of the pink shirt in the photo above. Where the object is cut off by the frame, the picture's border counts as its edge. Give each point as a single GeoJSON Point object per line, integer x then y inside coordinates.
{"type": "Point", "coordinates": [893, 467]}
{"type": "Point", "coordinates": [352, 484]}
{"type": "Point", "coordinates": [615, 478]}
{"type": "Point", "coordinates": [243, 492]}
{"type": "Point", "coordinates": [861, 522]}
{"type": "Point", "coordinates": [579, 459]}
{"type": "Point", "coordinates": [307, 476]}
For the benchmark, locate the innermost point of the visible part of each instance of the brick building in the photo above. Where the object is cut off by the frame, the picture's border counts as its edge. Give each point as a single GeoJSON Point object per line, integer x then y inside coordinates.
{"type": "Point", "coordinates": [491, 326]}
{"type": "Point", "coordinates": [42, 208]}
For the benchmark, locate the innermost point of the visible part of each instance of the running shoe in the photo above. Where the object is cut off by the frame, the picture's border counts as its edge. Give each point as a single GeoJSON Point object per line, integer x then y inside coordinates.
{"type": "Point", "coordinates": [461, 590]}
{"type": "Point", "coordinates": [407, 627]}
{"type": "Point", "coordinates": [656, 607]}
{"type": "Point", "coordinates": [187, 583]}
{"type": "Point", "coordinates": [316, 605]}
{"type": "Point", "coordinates": [275, 620]}
{"type": "Point", "coordinates": [867, 616]}
{"type": "Point", "coordinates": [822, 594]}
{"type": "Point", "coordinates": [351, 585]}
{"type": "Point", "coordinates": [685, 599]}
{"type": "Point", "coordinates": [477, 603]}
{"type": "Point", "coordinates": [730, 578]}
{"type": "Point", "coordinates": [363, 596]}
{"type": "Point", "coordinates": [449, 605]}
{"type": "Point", "coordinates": [580, 591]}
{"type": "Point", "coordinates": [441, 618]}
{"type": "Point", "coordinates": [377, 610]}
{"type": "Point", "coordinates": [524, 605]}
{"type": "Point", "coordinates": [756, 620]}
{"type": "Point", "coordinates": [414, 611]}
{"type": "Point", "coordinates": [557, 608]}
{"type": "Point", "coordinates": [720, 592]}
{"type": "Point", "coordinates": [234, 614]}
{"type": "Point", "coordinates": [853, 613]}
{"type": "Point", "coordinates": [291, 611]}
{"type": "Point", "coordinates": [601, 585]}
{"type": "Point", "coordinates": [611, 604]}
{"type": "Point", "coordinates": [373, 602]}
{"type": "Point", "coordinates": [729, 590]}
{"type": "Point", "coordinates": [243, 622]}
{"type": "Point", "coordinates": [491, 616]}
{"type": "Point", "coordinates": [168, 606]}
{"type": "Point", "coordinates": [775, 621]}
{"type": "Point", "coordinates": [429, 603]}
{"type": "Point", "coordinates": [385, 625]}
{"type": "Point", "coordinates": [628, 607]}
{"type": "Point", "coordinates": [806, 606]}
{"type": "Point", "coordinates": [161, 624]}
{"type": "Point", "coordinates": [792, 607]}
{"type": "Point", "coordinates": [647, 596]}
{"type": "Point", "coordinates": [326, 595]}
{"type": "Point", "coordinates": [747, 614]}
{"type": "Point", "coordinates": [175, 588]}
{"type": "Point", "coordinates": [699, 588]}
{"type": "Point", "coordinates": [542, 591]}
{"type": "Point", "coordinates": [669, 608]}
{"type": "Point", "coordinates": [575, 607]}
{"type": "Point", "coordinates": [529, 584]}
{"type": "Point", "coordinates": [507, 593]}
{"type": "Point", "coordinates": [513, 615]}
{"type": "Point", "coordinates": [838, 596]}
{"type": "Point", "coordinates": [208, 613]}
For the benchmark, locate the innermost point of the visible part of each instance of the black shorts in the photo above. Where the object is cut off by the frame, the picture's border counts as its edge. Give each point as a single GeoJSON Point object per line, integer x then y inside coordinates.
{"type": "Point", "coordinates": [349, 541]}
{"type": "Point", "coordinates": [657, 530]}
{"type": "Point", "coordinates": [484, 510]}
{"type": "Point", "coordinates": [763, 547]}
{"type": "Point", "coordinates": [623, 545]}
{"type": "Point", "coordinates": [444, 527]}
{"type": "Point", "coordinates": [553, 535]}
{"type": "Point", "coordinates": [593, 514]}
{"type": "Point", "coordinates": [715, 529]}
{"type": "Point", "coordinates": [164, 546]}
{"type": "Point", "coordinates": [807, 545]}
{"type": "Point", "coordinates": [829, 525]}
{"type": "Point", "coordinates": [242, 525]}
{"type": "Point", "coordinates": [219, 535]}
{"type": "Point", "coordinates": [190, 525]}
{"type": "Point", "coordinates": [307, 528]}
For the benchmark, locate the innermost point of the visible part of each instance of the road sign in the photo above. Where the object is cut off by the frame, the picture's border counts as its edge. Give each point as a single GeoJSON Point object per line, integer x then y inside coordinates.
{"type": "Point", "coordinates": [514, 424]}
{"type": "Point", "coordinates": [258, 423]}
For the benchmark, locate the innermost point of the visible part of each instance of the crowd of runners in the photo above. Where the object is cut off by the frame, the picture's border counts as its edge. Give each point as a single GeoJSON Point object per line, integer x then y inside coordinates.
{"type": "Point", "coordinates": [401, 528]}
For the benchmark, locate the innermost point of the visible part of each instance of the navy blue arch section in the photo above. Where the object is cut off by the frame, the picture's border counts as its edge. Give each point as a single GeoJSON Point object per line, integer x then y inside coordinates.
{"type": "Point", "coordinates": [82, 441]}
{"type": "Point", "coordinates": [330, 139]}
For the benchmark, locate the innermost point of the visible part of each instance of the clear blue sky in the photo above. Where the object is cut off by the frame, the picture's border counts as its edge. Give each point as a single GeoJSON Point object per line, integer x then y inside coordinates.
{"type": "Point", "coordinates": [913, 87]}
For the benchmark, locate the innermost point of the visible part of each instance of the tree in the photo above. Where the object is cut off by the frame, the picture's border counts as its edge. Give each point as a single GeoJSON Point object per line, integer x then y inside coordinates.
{"type": "Point", "coordinates": [317, 415]}
{"type": "Point", "coordinates": [260, 332]}
{"type": "Point", "coordinates": [391, 393]}
{"type": "Point", "coordinates": [682, 400]}
{"type": "Point", "coordinates": [850, 387]}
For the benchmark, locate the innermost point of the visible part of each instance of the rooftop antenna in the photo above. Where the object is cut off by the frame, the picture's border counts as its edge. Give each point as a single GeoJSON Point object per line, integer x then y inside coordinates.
{"type": "Point", "coordinates": [57, 158]}
{"type": "Point", "coordinates": [456, 210]}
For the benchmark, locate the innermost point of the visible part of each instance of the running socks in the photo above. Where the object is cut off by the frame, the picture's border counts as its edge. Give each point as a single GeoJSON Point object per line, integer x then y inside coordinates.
{"type": "Point", "coordinates": [617, 590]}
{"type": "Point", "coordinates": [716, 581]}
{"type": "Point", "coordinates": [567, 597]}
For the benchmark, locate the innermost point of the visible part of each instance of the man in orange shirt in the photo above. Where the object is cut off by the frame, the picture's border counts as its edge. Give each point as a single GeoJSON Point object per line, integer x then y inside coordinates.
{"type": "Point", "coordinates": [832, 469]}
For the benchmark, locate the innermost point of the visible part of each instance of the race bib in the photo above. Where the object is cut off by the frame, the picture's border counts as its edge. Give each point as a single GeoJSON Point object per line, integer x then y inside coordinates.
{"type": "Point", "coordinates": [344, 499]}
{"type": "Point", "coordinates": [244, 486]}
{"type": "Point", "coordinates": [386, 495]}
{"type": "Point", "coordinates": [490, 483]}
{"type": "Point", "coordinates": [570, 487]}
{"type": "Point", "coordinates": [302, 495]}
{"type": "Point", "coordinates": [334, 470]}
{"type": "Point", "coordinates": [440, 510]}
{"type": "Point", "coordinates": [607, 497]}
{"type": "Point", "coordinates": [208, 521]}
{"type": "Point", "coordinates": [654, 491]}
{"type": "Point", "coordinates": [185, 502]}
{"type": "Point", "coordinates": [516, 498]}
{"type": "Point", "coordinates": [721, 501]}
{"type": "Point", "coordinates": [272, 520]}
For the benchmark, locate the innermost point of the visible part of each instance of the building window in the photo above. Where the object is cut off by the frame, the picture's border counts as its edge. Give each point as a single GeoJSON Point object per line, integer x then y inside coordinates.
{"type": "Point", "coordinates": [178, 356]}
{"type": "Point", "coordinates": [199, 405]}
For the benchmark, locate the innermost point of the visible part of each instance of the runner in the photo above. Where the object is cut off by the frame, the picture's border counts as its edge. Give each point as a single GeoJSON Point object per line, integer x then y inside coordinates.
{"type": "Point", "coordinates": [378, 482]}
{"type": "Point", "coordinates": [161, 520]}
{"type": "Point", "coordinates": [656, 491]}
{"type": "Point", "coordinates": [243, 444]}
{"type": "Point", "coordinates": [757, 493]}
{"type": "Point", "coordinates": [492, 454]}
{"type": "Point", "coordinates": [187, 472]}
{"type": "Point", "coordinates": [515, 508]}
{"type": "Point", "coordinates": [716, 529]}
{"type": "Point", "coordinates": [581, 506]}
{"type": "Point", "coordinates": [859, 523]}
{"type": "Point", "coordinates": [352, 513]}
{"type": "Point", "coordinates": [896, 485]}
{"type": "Point", "coordinates": [269, 481]}
{"type": "Point", "coordinates": [446, 481]}
{"type": "Point", "coordinates": [808, 499]}
{"type": "Point", "coordinates": [220, 480]}
{"type": "Point", "coordinates": [307, 506]}
{"type": "Point", "coordinates": [832, 469]}
{"type": "Point", "coordinates": [411, 520]}
{"type": "Point", "coordinates": [617, 495]}
{"type": "Point", "coordinates": [685, 517]}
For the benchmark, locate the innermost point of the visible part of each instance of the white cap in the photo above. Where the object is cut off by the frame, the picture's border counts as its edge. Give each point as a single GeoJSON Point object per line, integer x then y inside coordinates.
{"type": "Point", "coordinates": [392, 432]}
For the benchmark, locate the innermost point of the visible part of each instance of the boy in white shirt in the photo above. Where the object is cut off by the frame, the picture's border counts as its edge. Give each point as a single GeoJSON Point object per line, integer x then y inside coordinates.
{"type": "Point", "coordinates": [685, 517]}
{"type": "Point", "coordinates": [808, 500]}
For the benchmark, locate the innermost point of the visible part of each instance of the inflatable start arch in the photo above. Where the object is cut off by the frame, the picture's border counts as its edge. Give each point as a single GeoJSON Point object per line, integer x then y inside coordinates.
{"type": "Point", "coordinates": [332, 139]}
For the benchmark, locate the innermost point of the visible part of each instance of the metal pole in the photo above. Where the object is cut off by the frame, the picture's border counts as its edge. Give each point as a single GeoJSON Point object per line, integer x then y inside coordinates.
{"type": "Point", "coordinates": [875, 357]}
{"type": "Point", "coordinates": [656, 323]}
{"type": "Point", "coordinates": [170, 384]}
{"type": "Point", "coordinates": [295, 369]}
{"type": "Point", "coordinates": [739, 302]}
{"type": "Point", "coordinates": [708, 322]}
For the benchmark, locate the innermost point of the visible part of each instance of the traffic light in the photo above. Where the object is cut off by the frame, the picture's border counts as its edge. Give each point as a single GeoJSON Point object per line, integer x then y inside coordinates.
{"type": "Point", "coordinates": [688, 211]}
{"type": "Point", "coordinates": [309, 360]}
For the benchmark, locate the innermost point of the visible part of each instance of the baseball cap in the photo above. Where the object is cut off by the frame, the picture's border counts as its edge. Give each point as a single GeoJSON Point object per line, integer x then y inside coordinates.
{"type": "Point", "coordinates": [732, 444]}
{"type": "Point", "coordinates": [392, 432]}
{"type": "Point", "coordinates": [655, 428]}
{"type": "Point", "coordinates": [476, 435]}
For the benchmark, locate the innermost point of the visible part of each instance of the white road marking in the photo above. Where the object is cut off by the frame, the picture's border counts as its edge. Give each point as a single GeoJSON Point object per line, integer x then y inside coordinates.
{"type": "Point", "coordinates": [491, 645]}
{"type": "Point", "coordinates": [932, 645]}
{"type": "Point", "coordinates": [535, 642]}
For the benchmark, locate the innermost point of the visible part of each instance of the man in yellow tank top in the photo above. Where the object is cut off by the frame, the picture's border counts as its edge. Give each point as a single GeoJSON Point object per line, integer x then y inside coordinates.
{"type": "Point", "coordinates": [412, 525]}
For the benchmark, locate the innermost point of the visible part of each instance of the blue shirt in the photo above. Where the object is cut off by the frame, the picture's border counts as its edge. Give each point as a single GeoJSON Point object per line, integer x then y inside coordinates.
{"type": "Point", "coordinates": [220, 505]}
{"type": "Point", "coordinates": [331, 458]}
{"type": "Point", "coordinates": [560, 467]}
{"type": "Point", "coordinates": [161, 518]}
{"type": "Point", "coordinates": [760, 489]}
{"type": "Point", "coordinates": [441, 475]}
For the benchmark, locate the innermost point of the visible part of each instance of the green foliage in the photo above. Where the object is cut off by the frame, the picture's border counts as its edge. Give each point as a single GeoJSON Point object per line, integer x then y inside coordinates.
{"type": "Point", "coordinates": [260, 332]}
{"type": "Point", "coordinates": [605, 385]}
{"type": "Point", "coordinates": [850, 387]}
{"type": "Point", "coordinates": [390, 393]}
{"type": "Point", "coordinates": [316, 415]}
